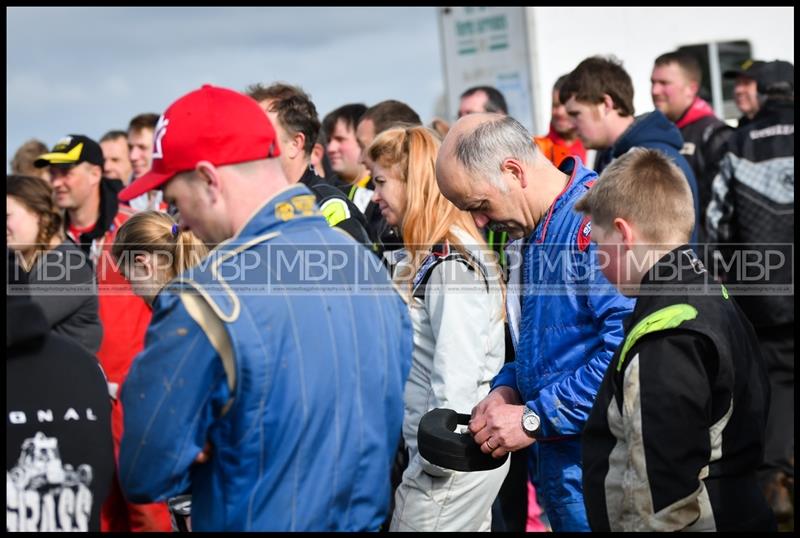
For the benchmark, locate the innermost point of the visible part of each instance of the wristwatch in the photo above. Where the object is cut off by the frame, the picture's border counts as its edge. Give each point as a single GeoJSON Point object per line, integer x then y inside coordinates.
{"type": "Point", "coordinates": [531, 423]}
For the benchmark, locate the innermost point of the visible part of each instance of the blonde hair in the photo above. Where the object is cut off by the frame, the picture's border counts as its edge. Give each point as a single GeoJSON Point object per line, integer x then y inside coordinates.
{"type": "Point", "coordinates": [646, 188]}
{"type": "Point", "coordinates": [410, 153]}
{"type": "Point", "coordinates": [155, 232]}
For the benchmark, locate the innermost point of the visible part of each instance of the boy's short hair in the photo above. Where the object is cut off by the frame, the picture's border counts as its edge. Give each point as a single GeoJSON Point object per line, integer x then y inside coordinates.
{"type": "Point", "coordinates": [350, 114]}
{"type": "Point", "coordinates": [387, 114]}
{"type": "Point", "coordinates": [114, 134]}
{"type": "Point", "coordinates": [647, 189]}
{"type": "Point", "coordinates": [148, 120]}
{"type": "Point", "coordinates": [686, 61]}
{"type": "Point", "coordinates": [294, 107]}
{"type": "Point", "coordinates": [596, 76]}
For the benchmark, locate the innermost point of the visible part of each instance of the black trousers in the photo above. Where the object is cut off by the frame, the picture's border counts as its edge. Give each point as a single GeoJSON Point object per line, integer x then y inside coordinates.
{"type": "Point", "coordinates": [777, 346]}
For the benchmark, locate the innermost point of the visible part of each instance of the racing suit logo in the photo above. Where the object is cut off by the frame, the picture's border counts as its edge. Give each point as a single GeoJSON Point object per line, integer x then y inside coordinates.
{"type": "Point", "coordinates": [43, 493]}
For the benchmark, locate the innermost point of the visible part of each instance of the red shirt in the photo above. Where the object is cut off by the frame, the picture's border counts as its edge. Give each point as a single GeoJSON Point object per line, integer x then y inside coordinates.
{"type": "Point", "coordinates": [76, 232]}
{"type": "Point", "coordinates": [124, 316]}
{"type": "Point", "coordinates": [576, 148]}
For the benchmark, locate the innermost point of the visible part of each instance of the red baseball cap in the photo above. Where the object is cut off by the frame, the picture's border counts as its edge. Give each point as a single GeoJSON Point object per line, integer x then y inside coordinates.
{"type": "Point", "coordinates": [211, 124]}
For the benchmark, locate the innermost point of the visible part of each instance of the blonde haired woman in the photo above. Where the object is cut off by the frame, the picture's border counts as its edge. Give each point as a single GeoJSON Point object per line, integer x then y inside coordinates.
{"type": "Point", "coordinates": [152, 250]}
{"type": "Point", "coordinates": [456, 302]}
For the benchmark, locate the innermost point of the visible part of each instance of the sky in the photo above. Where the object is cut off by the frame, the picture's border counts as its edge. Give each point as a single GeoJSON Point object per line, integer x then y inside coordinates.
{"type": "Point", "coordinates": [89, 70]}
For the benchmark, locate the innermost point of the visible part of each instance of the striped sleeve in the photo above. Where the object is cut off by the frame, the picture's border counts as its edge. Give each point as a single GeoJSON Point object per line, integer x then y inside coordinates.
{"type": "Point", "coordinates": [664, 434]}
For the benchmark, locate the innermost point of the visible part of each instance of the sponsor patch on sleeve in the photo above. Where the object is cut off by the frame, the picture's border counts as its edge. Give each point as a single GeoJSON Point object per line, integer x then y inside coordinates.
{"type": "Point", "coordinates": [584, 234]}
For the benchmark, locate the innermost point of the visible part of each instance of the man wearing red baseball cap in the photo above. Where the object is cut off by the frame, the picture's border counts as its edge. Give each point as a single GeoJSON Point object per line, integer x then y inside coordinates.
{"type": "Point", "coordinates": [189, 143]}
{"type": "Point", "coordinates": [231, 401]}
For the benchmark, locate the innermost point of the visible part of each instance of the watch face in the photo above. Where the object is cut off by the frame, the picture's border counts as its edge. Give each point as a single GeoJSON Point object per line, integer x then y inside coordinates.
{"type": "Point", "coordinates": [531, 422]}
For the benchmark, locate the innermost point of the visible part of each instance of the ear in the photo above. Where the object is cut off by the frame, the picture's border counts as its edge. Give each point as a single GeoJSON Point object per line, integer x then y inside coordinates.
{"type": "Point", "coordinates": [608, 104]}
{"type": "Point", "coordinates": [298, 145]}
{"type": "Point", "coordinates": [626, 232]}
{"type": "Point", "coordinates": [318, 150]}
{"type": "Point", "coordinates": [143, 260]}
{"type": "Point", "coordinates": [208, 175]}
{"type": "Point", "coordinates": [515, 168]}
{"type": "Point", "coordinates": [96, 174]}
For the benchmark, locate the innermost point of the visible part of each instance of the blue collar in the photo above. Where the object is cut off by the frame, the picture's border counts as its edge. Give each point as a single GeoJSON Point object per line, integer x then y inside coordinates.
{"type": "Point", "coordinates": [295, 202]}
{"type": "Point", "coordinates": [579, 177]}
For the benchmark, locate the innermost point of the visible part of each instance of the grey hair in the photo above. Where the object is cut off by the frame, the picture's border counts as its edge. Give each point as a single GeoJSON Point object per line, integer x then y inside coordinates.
{"type": "Point", "coordinates": [482, 151]}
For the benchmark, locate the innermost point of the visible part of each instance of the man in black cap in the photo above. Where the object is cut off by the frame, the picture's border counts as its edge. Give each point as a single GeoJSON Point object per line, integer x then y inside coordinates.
{"type": "Point", "coordinates": [93, 216]}
{"type": "Point", "coordinates": [745, 94]}
{"type": "Point", "coordinates": [753, 205]}
{"type": "Point", "coordinates": [90, 201]}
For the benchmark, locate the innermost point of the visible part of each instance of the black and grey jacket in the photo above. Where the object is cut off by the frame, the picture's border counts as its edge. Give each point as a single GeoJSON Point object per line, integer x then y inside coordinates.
{"type": "Point", "coordinates": [704, 142]}
{"type": "Point", "coordinates": [752, 213]}
{"type": "Point", "coordinates": [677, 430]}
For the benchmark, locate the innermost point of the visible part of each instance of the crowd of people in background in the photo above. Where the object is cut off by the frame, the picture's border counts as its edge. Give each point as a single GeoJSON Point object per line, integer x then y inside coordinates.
{"type": "Point", "coordinates": [245, 302]}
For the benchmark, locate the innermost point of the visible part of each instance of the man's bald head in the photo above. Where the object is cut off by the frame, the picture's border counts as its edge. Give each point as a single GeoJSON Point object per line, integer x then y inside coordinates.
{"type": "Point", "coordinates": [483, 167]}
{"type": "Point", "coordinates": [476, 146]}
{"type": "Point", "coordinates": [465, 126]}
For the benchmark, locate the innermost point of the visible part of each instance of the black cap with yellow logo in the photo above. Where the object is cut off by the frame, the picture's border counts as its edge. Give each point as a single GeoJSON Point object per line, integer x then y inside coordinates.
{"type": "Point", "coordinates": [72, 149]}
{"type": "Point", "coordinates": [746, 69]}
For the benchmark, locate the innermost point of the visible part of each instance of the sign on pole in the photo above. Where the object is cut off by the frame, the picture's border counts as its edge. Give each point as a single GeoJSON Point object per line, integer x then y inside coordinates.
{"type": "Point", "coordinates": [487, 46]}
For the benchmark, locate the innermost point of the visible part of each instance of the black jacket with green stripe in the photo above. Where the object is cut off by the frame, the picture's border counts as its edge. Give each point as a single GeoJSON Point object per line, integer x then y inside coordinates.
{"type": "Point", "coordinates": [677, 430]}
{"type": "Point", "coordinates": [338, 210]}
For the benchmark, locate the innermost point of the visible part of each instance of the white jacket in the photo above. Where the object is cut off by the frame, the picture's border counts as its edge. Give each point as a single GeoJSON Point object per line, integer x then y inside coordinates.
{"type": "Point", "coordinates": [459, 346]}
